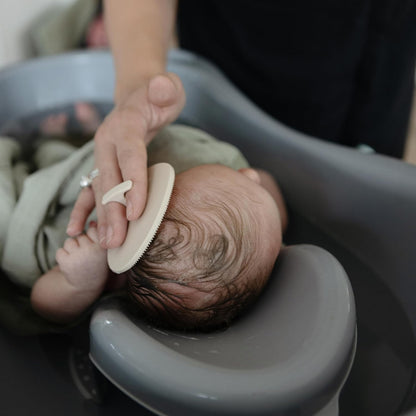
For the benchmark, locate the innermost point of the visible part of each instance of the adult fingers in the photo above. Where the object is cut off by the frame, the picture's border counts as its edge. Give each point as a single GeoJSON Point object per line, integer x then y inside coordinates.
{"type": "Point", "coordinates": [167, 97]}
{"type": "Point", "coordinates": [80, 212]}
{"type": "Point", "coordinates": [112, 222]}
{"type": "Point", "coordinates": [166, 90]}
{"type": "Point", "coordinates": [132, 158]}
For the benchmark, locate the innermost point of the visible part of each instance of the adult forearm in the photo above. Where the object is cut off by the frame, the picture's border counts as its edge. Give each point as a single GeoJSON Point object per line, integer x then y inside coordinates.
{"type": "Point", "coordinates": [140, 33]}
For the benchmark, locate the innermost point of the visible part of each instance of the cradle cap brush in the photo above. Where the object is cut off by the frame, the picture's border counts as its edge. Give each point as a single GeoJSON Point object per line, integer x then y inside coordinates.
{"type": "Point", "coordinates": [141, 232]}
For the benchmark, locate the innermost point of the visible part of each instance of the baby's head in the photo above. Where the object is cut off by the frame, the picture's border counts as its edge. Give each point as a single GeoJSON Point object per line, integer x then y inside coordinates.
{"type": "Point", "coordinates": [213, 252]}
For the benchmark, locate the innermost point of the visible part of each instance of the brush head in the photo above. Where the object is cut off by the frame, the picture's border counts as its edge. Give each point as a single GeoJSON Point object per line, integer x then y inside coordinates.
{"type": "Point", "coordinates": [141, 232]}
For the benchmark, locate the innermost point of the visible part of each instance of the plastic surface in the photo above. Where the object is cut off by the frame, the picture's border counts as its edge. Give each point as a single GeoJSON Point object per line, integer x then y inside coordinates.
{"type": "Point", "coordinates": [361, 207]}
{"type": "Point", "coordinates": [366, 202]}
{"type": "Point", "coordinates": [290, 353]}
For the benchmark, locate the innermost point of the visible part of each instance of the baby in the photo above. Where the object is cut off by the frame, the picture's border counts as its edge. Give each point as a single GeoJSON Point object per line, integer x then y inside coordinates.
{"type": "Point", "coordinates": [210, 258]}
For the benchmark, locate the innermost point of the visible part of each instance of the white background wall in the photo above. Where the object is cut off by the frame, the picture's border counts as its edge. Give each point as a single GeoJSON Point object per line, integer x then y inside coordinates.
{"type": "Point", "coordinates": [15, 18]}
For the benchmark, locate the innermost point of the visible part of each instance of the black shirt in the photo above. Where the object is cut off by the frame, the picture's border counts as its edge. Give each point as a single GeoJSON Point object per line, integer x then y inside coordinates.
{"type": "Point", "coordinates": [340, 70]}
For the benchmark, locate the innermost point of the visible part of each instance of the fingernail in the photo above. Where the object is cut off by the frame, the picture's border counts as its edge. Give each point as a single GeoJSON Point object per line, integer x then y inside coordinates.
{"type": "Point", "coordinates": [109, 234]}
{"type": "Point", "coordinates": [129, 210]}
{"type": "Point", "coordinates": [102, 234]}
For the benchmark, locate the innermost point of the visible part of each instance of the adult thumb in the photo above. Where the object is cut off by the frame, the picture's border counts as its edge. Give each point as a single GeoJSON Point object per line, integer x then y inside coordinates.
{"type": "Point", "coordinates": [166, 90]}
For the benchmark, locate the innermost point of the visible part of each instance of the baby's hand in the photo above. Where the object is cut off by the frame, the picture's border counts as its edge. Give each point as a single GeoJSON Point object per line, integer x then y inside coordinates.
{"type": "Point", "coordinates": [83, 261]}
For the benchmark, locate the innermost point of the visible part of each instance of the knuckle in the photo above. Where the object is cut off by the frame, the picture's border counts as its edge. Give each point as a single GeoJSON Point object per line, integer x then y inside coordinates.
{"type": "Point", "coordinates": [81, 238]}
{"type": "Point", "coordinates": [69, 243]}
{"type": "Point", "coordinates": [92, 233]}
{"type": "Point", "coordinates": [59, 254]}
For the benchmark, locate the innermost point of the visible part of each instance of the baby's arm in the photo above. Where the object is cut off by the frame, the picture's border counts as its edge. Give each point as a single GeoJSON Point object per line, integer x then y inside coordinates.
{"type": "Point", "coordinates": [67, 290]}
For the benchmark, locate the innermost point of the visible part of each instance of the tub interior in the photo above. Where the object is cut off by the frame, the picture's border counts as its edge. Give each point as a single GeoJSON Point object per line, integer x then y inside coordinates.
{"type": "Point", "coordinates": [37, 371]}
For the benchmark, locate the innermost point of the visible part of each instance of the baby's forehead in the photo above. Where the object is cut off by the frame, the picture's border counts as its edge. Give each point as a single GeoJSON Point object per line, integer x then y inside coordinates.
{"type": "Point", "coordinates": [217, 185]}
{"type": "Point", "coordinates": [211, 180]}
{"type": "Point", "coordinates": [205, 175]}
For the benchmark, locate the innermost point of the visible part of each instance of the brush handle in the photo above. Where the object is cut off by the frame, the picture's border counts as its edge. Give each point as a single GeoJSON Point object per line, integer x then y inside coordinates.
{"type": "Point", "coordinates": [116, 194]}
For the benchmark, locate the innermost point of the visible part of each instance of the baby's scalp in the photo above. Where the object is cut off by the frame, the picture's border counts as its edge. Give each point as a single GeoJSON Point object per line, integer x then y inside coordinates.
{"type": "Point", "coordinates": [205, 263]}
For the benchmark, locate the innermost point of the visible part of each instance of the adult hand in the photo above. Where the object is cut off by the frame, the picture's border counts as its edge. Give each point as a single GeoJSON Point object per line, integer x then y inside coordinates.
{"type": "Point", "coordinates": [120, 154]}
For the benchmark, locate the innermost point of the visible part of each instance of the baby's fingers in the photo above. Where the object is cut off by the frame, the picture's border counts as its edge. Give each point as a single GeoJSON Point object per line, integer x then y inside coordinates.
{"type": "Point", "coordinates": [70, 245]}
{"type": "Point", "coordinates": [92, 232]}
{"type": "Point", "coordinates": [82, 209]}
{"type": "Point", "coordinates": [61, 255]}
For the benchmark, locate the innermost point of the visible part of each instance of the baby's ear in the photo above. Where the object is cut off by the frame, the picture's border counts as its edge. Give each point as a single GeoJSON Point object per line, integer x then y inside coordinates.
{"type": "Point", "coordinates": [252, 174]}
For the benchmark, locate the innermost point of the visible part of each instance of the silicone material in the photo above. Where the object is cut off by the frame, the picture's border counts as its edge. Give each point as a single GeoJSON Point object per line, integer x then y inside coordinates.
{"type": "Point", "coordinates": [141, 232]}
